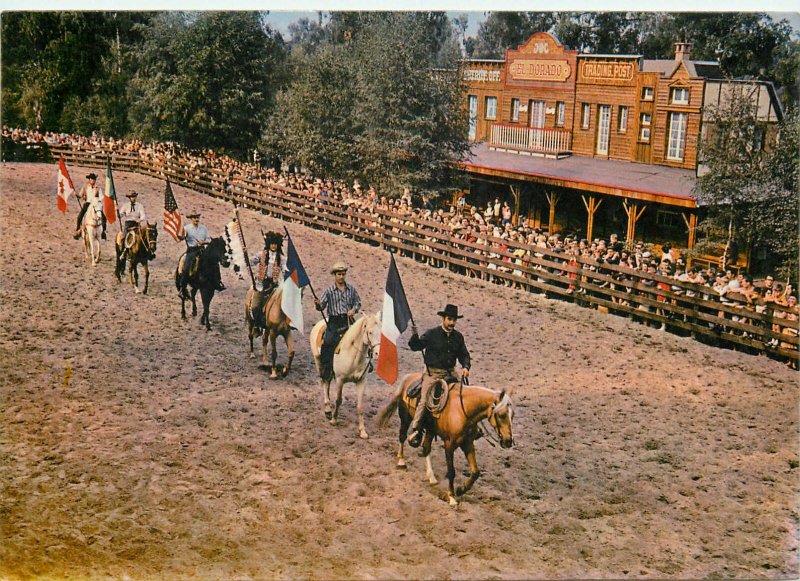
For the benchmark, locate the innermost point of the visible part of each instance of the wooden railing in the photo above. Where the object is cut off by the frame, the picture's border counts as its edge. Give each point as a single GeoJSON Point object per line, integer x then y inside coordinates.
{"type": "Point", "coordinates": [531, 139]}
{"type": "Point", "coordinates": [683, 308]}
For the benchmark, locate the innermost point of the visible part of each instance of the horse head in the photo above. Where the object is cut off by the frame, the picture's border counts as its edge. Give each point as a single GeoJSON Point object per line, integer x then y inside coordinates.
{"type": "Point", "coordinates": [500, 419]}
{"type": "Point", "coordinates": [218, 251]}
{"type": "Point", "coordinates": [371, 335]}
{"type": "Point", "coordinates": [150, 240]}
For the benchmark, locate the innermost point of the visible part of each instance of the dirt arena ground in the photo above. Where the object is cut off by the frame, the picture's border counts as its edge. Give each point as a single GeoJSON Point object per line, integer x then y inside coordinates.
{"type": "Point", "coordinates": [168, 454]}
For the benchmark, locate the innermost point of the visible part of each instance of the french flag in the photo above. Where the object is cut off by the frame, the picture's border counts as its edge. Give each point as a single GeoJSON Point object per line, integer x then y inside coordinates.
{"type": "Point", "coordinates": [294, 280]}
{"type": "Point", "coordinates": [395, 317]}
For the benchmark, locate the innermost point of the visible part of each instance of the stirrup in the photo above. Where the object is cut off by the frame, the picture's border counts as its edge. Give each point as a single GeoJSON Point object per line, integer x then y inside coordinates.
{"type": "Point", "coordinates": [415, 438]}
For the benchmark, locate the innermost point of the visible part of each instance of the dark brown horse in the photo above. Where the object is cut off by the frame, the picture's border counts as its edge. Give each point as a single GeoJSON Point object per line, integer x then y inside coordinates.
{"type": "Point", "coordinates": [204, 278]}
{"type": "Point", "coordinates": [142, 249]}
{"type": "Point", "coordinates": [456, 425]}
{"type": "Point", "coordinates": [277, 325]}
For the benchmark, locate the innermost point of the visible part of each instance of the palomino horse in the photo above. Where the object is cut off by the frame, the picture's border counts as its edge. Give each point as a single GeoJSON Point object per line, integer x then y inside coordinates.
{"type": "Point", "coordinates": [90, 230]}
{"type": "Point", "coordinates": [141, 251]}
{"type": "Point", "coordinates": [457, 426]}
{"type": "Point", "coordinates": [277, 325]}
{"type": "Point", "coordinates": [351, 362]}
{"type": "Point", "coordinates": [204, 278]}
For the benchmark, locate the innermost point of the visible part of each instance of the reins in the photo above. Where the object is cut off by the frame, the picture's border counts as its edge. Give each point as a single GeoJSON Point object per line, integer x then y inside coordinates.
{"type": "Point", "coordinates": [487, 432]}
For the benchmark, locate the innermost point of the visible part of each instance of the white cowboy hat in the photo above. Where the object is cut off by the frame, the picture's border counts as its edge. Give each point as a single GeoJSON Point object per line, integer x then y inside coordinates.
{"type": "Point", "coordinates": [339, 266]}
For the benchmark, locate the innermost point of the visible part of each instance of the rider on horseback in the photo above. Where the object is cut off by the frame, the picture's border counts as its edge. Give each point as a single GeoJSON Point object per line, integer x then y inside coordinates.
{"type": "Point", "coordinates": [342, 302]}
{"type": "Point", "coordinates": [90, 195]}
{"type": "Point", "coordinates": [197, 237]}
{"type": "Point", "coordinates": [132, 216]}
{"type": "Point", "coordinates": [442, 346]}
{"type": "Point", "coordinates": [270, 272]}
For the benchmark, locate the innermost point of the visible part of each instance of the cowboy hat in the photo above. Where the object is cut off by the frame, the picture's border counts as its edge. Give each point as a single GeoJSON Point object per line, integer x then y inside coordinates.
{"type": "Point", "coordinates": [450, 311]}
{"type": "Point", "coordinates": [91, 176]}
{"type": "Point", "coordinates": [339, 266]}
{"type": "Point", "coordinates": [193, 215]}
{"type": "Point", "coordinates": [131, 194]}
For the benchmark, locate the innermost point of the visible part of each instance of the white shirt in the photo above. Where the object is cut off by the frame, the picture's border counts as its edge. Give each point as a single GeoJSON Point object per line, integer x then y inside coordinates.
{"type": "Point", "coordinates": [196, 235]}
{"type": "Point", "coordinates": [93, 196]}
{"type": "Point", "coordinates": [133, 212]}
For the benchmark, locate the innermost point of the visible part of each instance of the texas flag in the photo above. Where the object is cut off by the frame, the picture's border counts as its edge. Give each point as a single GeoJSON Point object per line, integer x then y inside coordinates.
{"type": "Point", "coordinates": [395, 318]}
{"type": "Point", "coordinates": [65, 187]}
{"type": "Point", "coordinates": [293, 282]}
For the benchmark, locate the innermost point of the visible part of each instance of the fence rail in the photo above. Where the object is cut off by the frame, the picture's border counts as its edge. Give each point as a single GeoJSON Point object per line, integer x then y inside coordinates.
{"type": "Point", "coordinates": [531, 139]}
{"type": "Point", "coordinates": [681, 307]}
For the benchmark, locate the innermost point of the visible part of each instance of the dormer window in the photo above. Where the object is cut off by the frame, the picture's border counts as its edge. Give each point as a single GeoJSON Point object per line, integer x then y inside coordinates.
{"type": "Point", "coordinates": [679, 96]}
{"type": "Point", "coordinates": [647, 93]}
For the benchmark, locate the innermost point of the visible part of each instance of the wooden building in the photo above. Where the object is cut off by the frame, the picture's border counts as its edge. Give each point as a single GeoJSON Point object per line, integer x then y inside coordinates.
{"type": "Point", "coordinates": [595, 143]}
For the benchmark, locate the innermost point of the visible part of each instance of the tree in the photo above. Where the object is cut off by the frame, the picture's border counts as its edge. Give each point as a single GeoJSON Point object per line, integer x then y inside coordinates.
{"type": "Point", "coordinates": [206, 80]}
{"type": "Point", "coordinates": [374, 103]}
{"type": "Point", "coordinates": [504, 30]}
{"type": "Point", "coordinates": [749, 191]}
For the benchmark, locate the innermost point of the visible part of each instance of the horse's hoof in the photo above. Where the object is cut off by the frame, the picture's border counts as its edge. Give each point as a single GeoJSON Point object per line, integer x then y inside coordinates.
{"type": "Point", "coordinates": [334, 421]}
{"type": "Point", "coordinates": [363, 435]}
{"type": "Point", "coordinates": [137, 291]}
{"type": "Point", "coordinates": [252, 355]}
{"type": "Point", "coordinates": [328, 414]}
{"type": "Point", "coordinates": [401, 465]}
{"type": "Point", "coordinates": [273, 376]}
{"type": "Point", "coordinates": [453, 501]}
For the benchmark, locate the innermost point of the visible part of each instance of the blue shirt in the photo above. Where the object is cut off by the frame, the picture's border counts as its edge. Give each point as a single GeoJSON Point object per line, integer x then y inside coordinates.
{"type": "Point", "coordinates": [195, 235]}
{"type": "Point", "coordinates": [338, 302]}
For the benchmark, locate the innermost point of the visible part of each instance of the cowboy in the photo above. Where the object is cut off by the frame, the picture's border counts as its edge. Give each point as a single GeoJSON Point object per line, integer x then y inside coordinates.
{"type": "Point", "coordinates": [90, 195]}
{"type": "Point", "coordinates": [342, 303]}
{"type": "Point", "coordinates": [442, 346]}
{"type": "Point", "coordinates": [197, 237]}
{"type": "Point", "coordinates": [132, 216]}
{"type": "Point", "coordinates": [270, 272]}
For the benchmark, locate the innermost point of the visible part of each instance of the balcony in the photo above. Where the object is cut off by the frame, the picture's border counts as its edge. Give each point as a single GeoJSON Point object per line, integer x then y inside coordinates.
{"type": "Point", "coordinates": [535, 141]}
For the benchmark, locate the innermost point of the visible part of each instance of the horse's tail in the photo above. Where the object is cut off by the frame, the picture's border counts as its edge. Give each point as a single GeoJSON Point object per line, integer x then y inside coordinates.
{"type": "Point", "coordinates": [391, 406]}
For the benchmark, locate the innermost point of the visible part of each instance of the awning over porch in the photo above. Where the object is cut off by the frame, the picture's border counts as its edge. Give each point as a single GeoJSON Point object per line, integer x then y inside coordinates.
{"type": "Point", "coordinates": [637, 181]}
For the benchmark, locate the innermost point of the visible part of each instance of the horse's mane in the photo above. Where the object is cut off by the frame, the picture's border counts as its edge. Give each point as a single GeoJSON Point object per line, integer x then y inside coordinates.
{"type": "Point", "coordinates": [350, 336]}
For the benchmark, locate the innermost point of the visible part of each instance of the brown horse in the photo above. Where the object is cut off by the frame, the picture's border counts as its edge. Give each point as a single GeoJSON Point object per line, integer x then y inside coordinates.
{"type": "Point", "coordinates": [142, 249]}
{"type": "Point", "coordinates": [456, 425]}
{"type": "Point", "coordinates": [277, 325]}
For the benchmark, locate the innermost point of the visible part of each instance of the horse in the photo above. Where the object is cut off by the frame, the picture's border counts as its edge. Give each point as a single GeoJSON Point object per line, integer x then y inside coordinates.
{"type": "Point", "coordinates": [90, 230]}
{"type": "Point", "coordinates": [277, 325]}
{"type": "Point", "coordinates": [141, 251]}
{"type": "Point", "coordinates": [456, 425]}
{"type": "Point", "coordinates": [204, 278]}
{"type": "Point", "coordinates": [351, 362]}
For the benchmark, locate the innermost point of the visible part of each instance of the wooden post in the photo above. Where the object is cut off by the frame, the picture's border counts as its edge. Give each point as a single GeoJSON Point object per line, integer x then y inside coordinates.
{"type": "Point", "coordinates": [592, 206]}
{"type": "Point", "coordinates": [634, 213]}
{"type": "Point", "coordinates": [516, 192]}
{"type": "Point", "coordinates": [552, 199]}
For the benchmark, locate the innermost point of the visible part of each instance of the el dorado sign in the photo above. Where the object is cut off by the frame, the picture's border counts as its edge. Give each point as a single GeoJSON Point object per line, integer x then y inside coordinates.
{"type": "Point", "coordinates": [539, 70]}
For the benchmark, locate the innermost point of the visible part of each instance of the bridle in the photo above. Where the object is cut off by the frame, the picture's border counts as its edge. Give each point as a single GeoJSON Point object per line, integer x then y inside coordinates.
{"type": "Point", "coordinates": [144, 236]}
{"type": "Point", "coordinates": [370, 352]}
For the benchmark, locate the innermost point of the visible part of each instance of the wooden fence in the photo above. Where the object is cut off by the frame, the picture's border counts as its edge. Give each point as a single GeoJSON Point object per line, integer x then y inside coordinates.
{"type": "Point", "coordinates": [654, 300]}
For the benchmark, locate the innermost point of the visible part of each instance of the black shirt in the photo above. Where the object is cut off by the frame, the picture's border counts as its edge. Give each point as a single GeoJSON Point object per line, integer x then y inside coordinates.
{"type": "Point", "coordinates": [441, 350]}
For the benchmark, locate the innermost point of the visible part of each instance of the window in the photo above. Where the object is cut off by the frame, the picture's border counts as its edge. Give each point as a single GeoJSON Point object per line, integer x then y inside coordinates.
{"type": "Point", "coordinates": [537, 109]}
{"type": "Point", "coordinates": [644, 135]}
{"type": "Point", "coordinates": [515, 109]}
{"type": "Point", "coordinates": [647, 93]}
{"type": "Point", "coordinates": [622, 120]}
{"type": "Point", "coordinates": [679, 96]}
{"type": "Point", "coordinates": [491, 107]}
{"type": "Point", "coordinates": [560, 111]}
{"type": "Point", "coordinates": [669, 219]}
{"type": "Point", "coordinates": [472, 104]}
{"type": "Point", "coordinates": [677, 136]}
{"type": "Point", "coordinates": [603, 126]}
{"type": "Point", "coordinates": [645, 119]}
{"type": "Point", "coordinates": [585, 113]}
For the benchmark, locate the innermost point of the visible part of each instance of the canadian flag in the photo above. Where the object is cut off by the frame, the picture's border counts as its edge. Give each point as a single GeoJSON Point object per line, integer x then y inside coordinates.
{"type": "Point", "coordinates": [65, 187]}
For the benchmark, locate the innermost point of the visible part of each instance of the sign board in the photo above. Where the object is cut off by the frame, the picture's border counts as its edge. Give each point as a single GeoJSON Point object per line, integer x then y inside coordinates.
{"type": "Point", "coordinates": [541, 61]}
{"type": "Point", "coordinates": [604, 71]}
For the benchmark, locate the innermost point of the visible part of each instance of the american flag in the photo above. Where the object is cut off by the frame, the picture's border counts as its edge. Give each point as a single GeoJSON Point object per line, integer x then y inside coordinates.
{"type": "Point", "coordinates": [172, 218]}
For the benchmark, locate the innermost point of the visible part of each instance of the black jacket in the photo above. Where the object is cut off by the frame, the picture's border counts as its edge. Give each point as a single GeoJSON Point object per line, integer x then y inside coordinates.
{"type": "Point", "coordinates": [441, 350]}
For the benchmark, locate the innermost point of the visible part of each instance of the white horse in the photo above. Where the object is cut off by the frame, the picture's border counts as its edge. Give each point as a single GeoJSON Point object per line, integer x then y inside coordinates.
{"type": "Point", "coordinates": [355, 353]}
{"type": "Point", "coordinates": [90, 230]}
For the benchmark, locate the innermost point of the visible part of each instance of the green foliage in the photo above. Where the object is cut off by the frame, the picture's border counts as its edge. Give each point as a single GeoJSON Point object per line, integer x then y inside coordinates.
{"type": "Point", "coordinates": [372, 105]}
{"type": "Point", "coordinates": [750, 193]}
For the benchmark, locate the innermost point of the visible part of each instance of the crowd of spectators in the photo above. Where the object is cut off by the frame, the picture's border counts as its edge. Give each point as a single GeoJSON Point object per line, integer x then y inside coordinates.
{"type": "Point", "coordinates": [488, 244]}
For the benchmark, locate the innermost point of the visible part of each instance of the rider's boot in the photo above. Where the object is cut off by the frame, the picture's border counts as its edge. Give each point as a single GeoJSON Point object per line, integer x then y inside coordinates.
{"type": "Point", "coordinates": [103, 235]}
{"type": "Point", "coordinates": [220, 286]}
{"type": "Point", "coordinates": [76, 235]}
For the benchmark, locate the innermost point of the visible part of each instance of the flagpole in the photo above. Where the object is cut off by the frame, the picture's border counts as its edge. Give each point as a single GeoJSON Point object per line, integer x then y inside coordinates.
{"type": "Point", "coordinates": [244, 244]}
{"type": "Point", "coordinates": [324, 318]}
{"type": "Point", "coordinates": [397, 270]}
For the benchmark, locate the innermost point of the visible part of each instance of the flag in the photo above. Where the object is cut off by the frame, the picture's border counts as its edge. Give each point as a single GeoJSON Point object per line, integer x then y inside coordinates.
{"type": "Point", "coordinates": [110, 200]}
{"type": "Point", "coordinates": [233, 241]}
{"type": "Point", "coordinates": [295, 278]}
{"type": "Point", "coordinates": [65, 187]}
{"type": "Point", "coordinates": [172, 218]}
{"type": "Point", "coordinates": [394, 320]}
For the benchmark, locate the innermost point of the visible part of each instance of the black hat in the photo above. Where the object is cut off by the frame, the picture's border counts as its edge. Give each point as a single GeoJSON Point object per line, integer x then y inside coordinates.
{"type": "Point", "coordinates": [91, 176]}
{"type": "Point", "coordinates": [450, 311]}
{"type": "Point", "coordinates": [131, 194]}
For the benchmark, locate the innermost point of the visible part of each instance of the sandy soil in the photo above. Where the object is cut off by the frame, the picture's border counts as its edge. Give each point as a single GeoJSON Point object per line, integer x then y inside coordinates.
{"type": "Point", "coordinates": [170, 455]}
